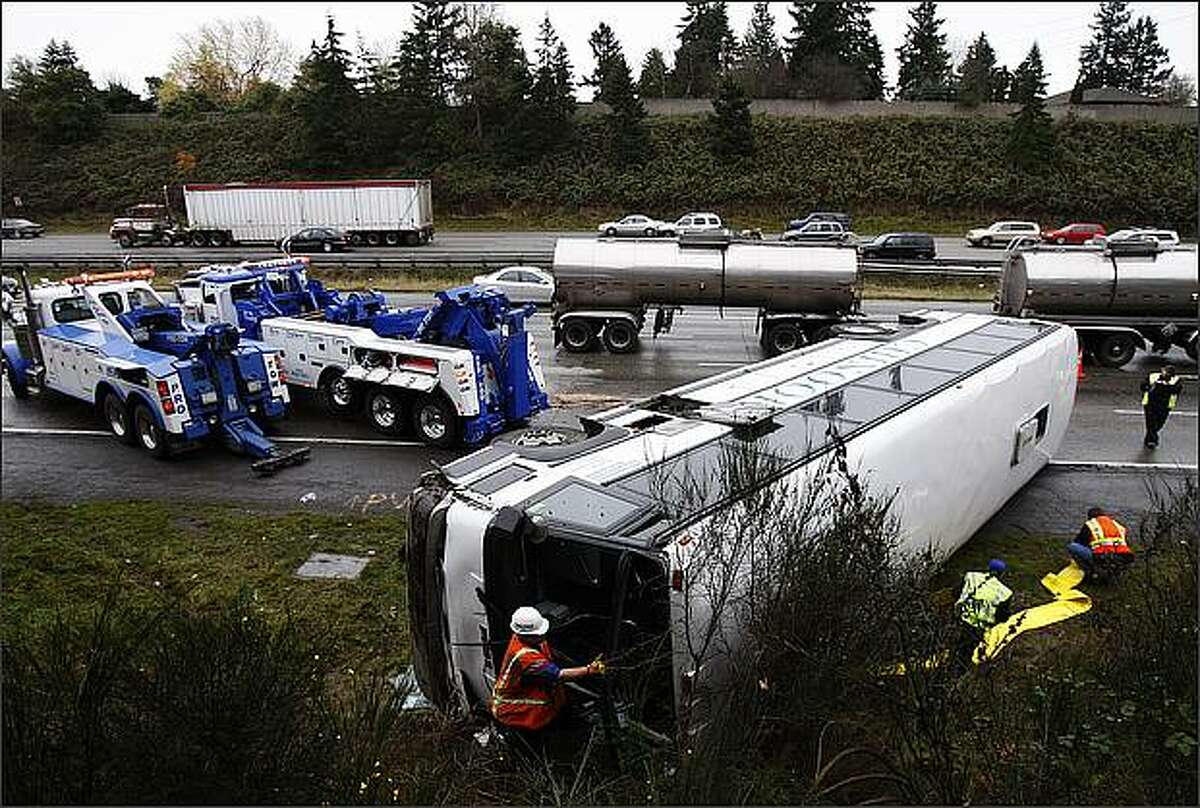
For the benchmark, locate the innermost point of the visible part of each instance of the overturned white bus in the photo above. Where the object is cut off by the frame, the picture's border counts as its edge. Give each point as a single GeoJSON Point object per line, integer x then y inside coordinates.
{"type": "Point", "coordinates": [951, 413]}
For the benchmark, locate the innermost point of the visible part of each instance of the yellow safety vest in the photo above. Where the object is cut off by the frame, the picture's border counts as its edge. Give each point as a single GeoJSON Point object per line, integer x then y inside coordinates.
{"type": "Point", "coordinates": [981, 594]}
{"type": "Point", "coordinates": [1146, 395]}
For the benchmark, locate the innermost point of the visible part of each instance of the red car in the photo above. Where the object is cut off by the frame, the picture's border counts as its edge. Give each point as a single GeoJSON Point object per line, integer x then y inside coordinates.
{"type": "Point", "coordinates": [1074, 233]}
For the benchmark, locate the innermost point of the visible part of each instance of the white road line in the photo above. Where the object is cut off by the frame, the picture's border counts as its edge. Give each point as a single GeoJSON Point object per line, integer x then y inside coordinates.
{"type": "Point", "coordinates": [1184, 413]}
{"type": "Point", "coordinates": [100, 433]}
{"type": "Point", "coordinates": [1116, 464]}
{"type": "Point", "coordinates": [722, 364]}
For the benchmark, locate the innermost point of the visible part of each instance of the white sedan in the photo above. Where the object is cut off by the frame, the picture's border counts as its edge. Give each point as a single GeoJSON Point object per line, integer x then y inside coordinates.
{"type": "Point", "coordinates": [634, 225]}
{"type": "Point", "coordinates": [1165, 238]}
{"type": "Point", "coordinates": [520, 284]}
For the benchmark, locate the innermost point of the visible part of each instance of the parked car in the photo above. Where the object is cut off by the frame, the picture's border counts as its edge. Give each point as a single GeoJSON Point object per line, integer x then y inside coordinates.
{"type": "Point", "coordinates": [1001, 233]}
{"type": "Point", "coordinates": [1165, 238]}
{"type": "Point", "coordinates": [818, 231]}
{"type": "Point", "coordinates": [520, 284]}
{"type": "Point", "coordinates": [20, 228]}
{"type": "Point", "coordinates": [695, 223]}
{"type": "Point", "coordinates": [820, 216]}
{"type": "Point", "coordinates": [900, 245]}
{"type": "Point", "coordinates": [635, 224]}
{"type": "Point", "coordinates": [1074, 233]}
{"type": "Point", "coordinates": [314, 239]}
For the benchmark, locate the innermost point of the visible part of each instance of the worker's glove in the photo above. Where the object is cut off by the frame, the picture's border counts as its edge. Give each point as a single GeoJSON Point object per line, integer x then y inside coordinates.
{"type": "Point", "coordinates": [597, 666]}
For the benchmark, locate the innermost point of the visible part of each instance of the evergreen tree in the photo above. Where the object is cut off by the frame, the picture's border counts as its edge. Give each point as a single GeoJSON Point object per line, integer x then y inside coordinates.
{"type": "Point", "coordinates": [653, 81]}
{"type": "Point", "coordinates": [431, 55]}
{"type": "Point", "coordinates": [1031, 142]}
{"type": "Point", "coordinates": [606, 51]}
{"type": "Point", "coordinates": [980, 80]}
{"type": "Point", "coordinates": [326, 102]}
{"type": "Point", "coordinates": [625, 121]}
{"type": "Point", "coordinates": [1147, 64]}
{"type": "Point", "coordinates": [1103, 61]}
{"type": "Point", "coordinates": [761, 58]}
{"type": "Point", "coordinates": [925, 68]}
{"type": "Point", "coordinates": [706, 46]}
{"type": "Point", "coordinates": [552, 95]}
{"type": "Point", "coordinates": [730, 131]}
{"type": "Point", "coordinates": [116, 97]}
{"type": "Point", "coordinates": [833, 52]}
{"type": "Point", "coordinates": [496, 86]}
{"type": "Point", "coordinates": [56, 96]}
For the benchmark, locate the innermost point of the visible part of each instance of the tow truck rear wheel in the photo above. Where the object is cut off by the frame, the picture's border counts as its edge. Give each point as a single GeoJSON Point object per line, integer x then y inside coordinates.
{"type": "Point", "coordinates": [385, 410]}
{"type": "Point", "coordinates": [148, 433]}
{"type": "Point", "coordinates": [435, 421]}
{"type": "Point", "coordinates": [338, 395]}
{"type": "Point", "coordinates": [113, 410]}
{"type": "Point", "coordinates": [1115, 350]}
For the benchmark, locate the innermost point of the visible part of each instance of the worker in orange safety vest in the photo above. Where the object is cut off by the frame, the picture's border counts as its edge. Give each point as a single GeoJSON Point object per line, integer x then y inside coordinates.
{"type": "Point", "coordinates": [1101, 546]}
{"type": "Point", "coordinates": [528, 693]}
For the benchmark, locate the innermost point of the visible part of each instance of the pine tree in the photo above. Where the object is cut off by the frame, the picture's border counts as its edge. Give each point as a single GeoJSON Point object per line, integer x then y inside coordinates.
{"type": "Point", "coordinates": [62, 104]}
{"type": "Point", "coordinates": [761, 58]}
{"type": "Point", "coordinates": [625, 121]}
{"type": "Point", "coordinates": [1103, 60]}
{"type": "Point", "coordinates": [833, 51]}
{"type": "Point", "coordinates": [706, 46]}
{"type": "Point", "coordinates": [325, 101]}
{"type": "Point", "coordinates": [431, 55]}
{"type": "Point", "coordinates": [551, 95]}
{"type": "Point", "coordinates": [605, 51]}
{"type": "Point", "coordinates": [925, 69]}
{"type": "Point", "coordinates": [730, 130]}
{"type": "Point", "coordinates": [653, 81]}
{"type": "Point", "coordinates": [1146, 61]}
{"type": "Point", "coordinates": [495, 88]}
{"type": "Point", "coordinates": [980, 80]}
{"type": "Point", "coordinates": [1031, 142]}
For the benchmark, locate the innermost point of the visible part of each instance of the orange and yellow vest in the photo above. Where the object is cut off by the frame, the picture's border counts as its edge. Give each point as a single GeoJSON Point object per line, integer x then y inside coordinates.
{"type": "Point", "coordinates": [1108, 536]}
{"type": "Point", "coordinates": [525, 704]}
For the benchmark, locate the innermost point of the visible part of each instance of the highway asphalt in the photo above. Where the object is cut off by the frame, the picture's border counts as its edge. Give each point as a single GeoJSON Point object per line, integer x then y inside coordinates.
{"type": "Point", "coordinates": [453, 247]}
{"type": "Point", "coordinates": [56, 448]}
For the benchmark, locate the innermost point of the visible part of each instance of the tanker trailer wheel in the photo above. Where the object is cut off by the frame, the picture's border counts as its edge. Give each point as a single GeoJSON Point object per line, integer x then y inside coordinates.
{"type": "Point", "coordinates": [578, 335]}
{"type": "Point", "coordinates": [337, 395]}
{"type": "Point", "coordinates": [784, 337]}
{"type": "Point", "coordinates": [620, 337]}
{"type": "Point", "coordinates": [1115, 350]}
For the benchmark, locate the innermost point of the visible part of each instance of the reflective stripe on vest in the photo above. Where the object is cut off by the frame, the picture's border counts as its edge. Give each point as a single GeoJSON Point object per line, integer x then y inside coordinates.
{"type": "Point", "coordinates": [502, 684]}
{"type": "Point", "coordinates": [981, 595]}
{"type": "Point", "coordinates": [1108, 535]}
{"type": "Point", "coordinates": [1146, 395]}
{"type": "Point", "coordinates": [517, 703]}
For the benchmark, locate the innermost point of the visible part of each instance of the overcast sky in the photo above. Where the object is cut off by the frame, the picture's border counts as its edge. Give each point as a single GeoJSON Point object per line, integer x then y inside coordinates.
{"type": "Point", "coordinates": [129, 41]}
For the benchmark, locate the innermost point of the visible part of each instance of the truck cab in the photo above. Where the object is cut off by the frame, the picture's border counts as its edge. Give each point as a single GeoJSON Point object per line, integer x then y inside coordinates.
{"type": "Point", "coordinates": [143, 224]}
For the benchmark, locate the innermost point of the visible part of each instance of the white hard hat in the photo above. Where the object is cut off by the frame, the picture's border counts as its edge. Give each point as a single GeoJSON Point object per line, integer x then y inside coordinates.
{"type": "Point", "coordinates": [528, 620]}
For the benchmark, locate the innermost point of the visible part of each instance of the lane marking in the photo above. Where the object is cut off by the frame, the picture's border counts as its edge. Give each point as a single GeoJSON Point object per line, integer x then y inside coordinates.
{"type": "Point", "coordinates": [1120, 464]}
{"type": "Point", "coordinates": [100, 433]}
{"type": "Point", "coordinates": [1184, 413]}
{"type": "Point", "coordinates": [722, 364]}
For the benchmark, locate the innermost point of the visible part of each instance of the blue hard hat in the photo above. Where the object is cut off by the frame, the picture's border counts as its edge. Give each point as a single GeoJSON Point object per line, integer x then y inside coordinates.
{"type": "Point", "coordinates": [996, 566]}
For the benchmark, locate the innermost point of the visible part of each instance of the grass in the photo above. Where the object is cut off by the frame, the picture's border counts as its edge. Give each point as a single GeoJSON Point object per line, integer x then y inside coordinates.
{"type": "Point", "coordinates": [64, 557]}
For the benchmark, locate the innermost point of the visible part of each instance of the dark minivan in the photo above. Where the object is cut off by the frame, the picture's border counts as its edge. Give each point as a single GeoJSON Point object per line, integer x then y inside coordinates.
{"type": "Point", "coordinates": [900, 245]}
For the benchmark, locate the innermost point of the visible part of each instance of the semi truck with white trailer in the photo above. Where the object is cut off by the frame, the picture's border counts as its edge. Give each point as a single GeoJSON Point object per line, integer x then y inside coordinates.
{"type": "Point", "coordinates": [1119, 297]}
{"type": "Point", "coordinates": [602, 532]}
{"type": "Point", "coordinates": [110, 340]}
{"type": "Point", "coordinates": [370, 212]}
{"type": "Point", "coordinates": [458, 371]}
{"type": "Point", "coordinates": [604, 289]}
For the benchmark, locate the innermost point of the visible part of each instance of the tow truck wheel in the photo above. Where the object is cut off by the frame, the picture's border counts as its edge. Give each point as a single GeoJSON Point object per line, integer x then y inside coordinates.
{"type": "Point", "coordinates": [1115, 350]}
{"type": "Point", "coordinates": [578, 336]}
{"type": "Point", "coordinates": [337, 395]}
{"type": "Point", "coordinates": [18, 391]}
{"type": "Point", "coordinates": [385, 410]}
{"type": "Point", "coordinates": [435, 421]}
{"type": "Point", "coordinates": [148, 433]}
{"type": "Point", "coordinates": [620, 337]}
{"type": "Point", "coordinates": [116, 417]}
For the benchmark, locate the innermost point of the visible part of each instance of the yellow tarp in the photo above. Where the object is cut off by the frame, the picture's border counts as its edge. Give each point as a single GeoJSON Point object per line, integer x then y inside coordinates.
{"type": "Point", "coordinates": [1068, 602]}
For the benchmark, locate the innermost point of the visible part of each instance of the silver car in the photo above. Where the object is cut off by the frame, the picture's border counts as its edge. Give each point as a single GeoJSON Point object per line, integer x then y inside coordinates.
{"type": "Point", "coordinates": [520, 284]}
{"type": "Point", "coordinates": [634, 224]}
{"type": "Point", "coordinates": [1165, 238]}
{"type": "Point", "coordinates": [695, 223]}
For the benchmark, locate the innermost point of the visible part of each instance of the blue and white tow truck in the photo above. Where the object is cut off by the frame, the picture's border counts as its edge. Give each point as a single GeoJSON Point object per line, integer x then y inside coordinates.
{"type": "Point", "coordinates": [459, 371]}
{"type": "Point", "coordinates": [158, 382]}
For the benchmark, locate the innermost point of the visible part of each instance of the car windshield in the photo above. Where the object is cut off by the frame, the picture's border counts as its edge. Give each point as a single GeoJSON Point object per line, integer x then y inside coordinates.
{"type": "Point", "coordinates": [881, 239]}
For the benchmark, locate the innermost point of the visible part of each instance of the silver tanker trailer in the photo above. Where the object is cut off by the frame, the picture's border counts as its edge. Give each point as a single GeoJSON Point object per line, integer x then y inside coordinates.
{"type": "Point", "coordinates": [1118, 298]}
{"type": "Point", "coordinates": [604, 289]}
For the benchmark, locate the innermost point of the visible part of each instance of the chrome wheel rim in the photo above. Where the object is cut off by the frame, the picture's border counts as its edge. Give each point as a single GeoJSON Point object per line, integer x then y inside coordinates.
{"type": "Point", "coordinates": [382, 412]}
{"type": "Point", "coordinates": [339, 392]}
{"type": "Point", "coordinates": [433, 425]}
{"type": "Point", "coordinates": [619, 337]}
{"type": "Point", "coordinates": [115, 416]}
{"type": "Point", "coordinates": [147, 432]}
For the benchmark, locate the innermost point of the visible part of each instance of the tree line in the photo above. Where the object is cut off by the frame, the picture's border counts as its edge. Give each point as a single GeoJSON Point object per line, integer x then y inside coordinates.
{"type": "Point", "coordinates": [461, 81]}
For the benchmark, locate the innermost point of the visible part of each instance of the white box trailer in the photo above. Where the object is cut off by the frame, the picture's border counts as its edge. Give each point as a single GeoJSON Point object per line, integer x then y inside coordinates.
{"type": "Point", "coordinates": [371, 212]}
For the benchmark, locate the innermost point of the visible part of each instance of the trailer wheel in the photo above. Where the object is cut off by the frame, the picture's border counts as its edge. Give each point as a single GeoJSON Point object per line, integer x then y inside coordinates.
{"type": "Point", "coordinates": [392, 238]}
{"type": "Point", "coordinates": [199, 240]}
{"type": "Point", "coordinates": [165, 240]}
{"type": "Point", "coordinates": [126, 240]}
{"type": "Point", "coordinates": [385, 410]}
{"type": "Point", "coordinates": [620, 337]}
{"type": "Point", "coordinates": [373, 239]}
{"type": "Point", "coordinates": [435, 421]}
{"type": "Point", "coordinates": [1115, 350]}
{"type": "Point", "coordinates": [116, 417]}
{"type": "Point", "coordinates": [411, 239]}
{"type": "Point", "coordinates": [578, 335]}
{"type": "Point", "coordinates": [218, 239]}
{"type": "Point", "coordinates": [338, 395]}
{"type": "Point", "coordinates": [784, 337]}
{"type": "Point", "coordinates": [148, 433]}
{"type": "Point", "coordinates": [356, 239]}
